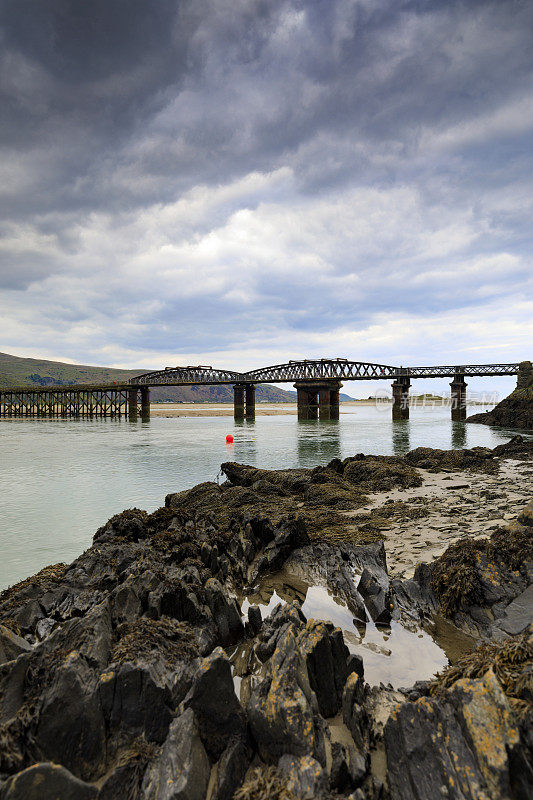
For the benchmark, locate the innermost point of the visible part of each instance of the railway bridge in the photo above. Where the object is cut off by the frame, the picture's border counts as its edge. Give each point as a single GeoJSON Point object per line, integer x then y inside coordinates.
{"type": "Point", "coordinates": [317, 383]}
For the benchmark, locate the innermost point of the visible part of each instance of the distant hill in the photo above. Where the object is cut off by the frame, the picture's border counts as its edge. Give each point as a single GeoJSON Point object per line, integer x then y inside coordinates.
{"type": "Point", "coordinates": [15, 371]}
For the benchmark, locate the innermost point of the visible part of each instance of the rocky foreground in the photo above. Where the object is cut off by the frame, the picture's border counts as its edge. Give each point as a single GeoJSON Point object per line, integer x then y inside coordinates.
{"type": "Point", "coordinates": [115, 680]}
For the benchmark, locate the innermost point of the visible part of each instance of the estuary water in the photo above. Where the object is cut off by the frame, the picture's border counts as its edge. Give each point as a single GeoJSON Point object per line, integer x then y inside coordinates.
{"type": "Point", "coordinates": [61, 479]}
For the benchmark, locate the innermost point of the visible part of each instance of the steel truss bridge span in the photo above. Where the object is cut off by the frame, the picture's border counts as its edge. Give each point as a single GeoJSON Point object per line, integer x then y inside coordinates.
{"type": "Point", "coordinates": [315, 370]}
{"type": "Point", "coordinates": [188, 376]}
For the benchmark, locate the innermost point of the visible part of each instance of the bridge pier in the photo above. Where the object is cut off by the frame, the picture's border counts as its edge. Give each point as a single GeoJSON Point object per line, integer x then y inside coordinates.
{"type": "Point", "coordinates": [238, 401]}
{"type": "Point", "coordinates": [249, 394]}
{"type": "Point", "coordinates": [458, 397]}
{"type": "Point", "coordinates": [145, 403]}
{"type": "Point", "coordinates": [244, 401]}
{"type": "Point", "coordinates": [318, 399]}
{"type": "Point", "coordinates": [525, 375]}
{"type": "Point", "coordinates": [132, 403]}
{"type": "Point", "coordinates": [307, 399]}
{"type": "Point", "coordinates": [400, 397]}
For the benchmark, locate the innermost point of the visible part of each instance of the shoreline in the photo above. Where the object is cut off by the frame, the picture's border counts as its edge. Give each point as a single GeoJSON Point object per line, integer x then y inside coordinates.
{"type": "Point", "coordinates": [263, 409]}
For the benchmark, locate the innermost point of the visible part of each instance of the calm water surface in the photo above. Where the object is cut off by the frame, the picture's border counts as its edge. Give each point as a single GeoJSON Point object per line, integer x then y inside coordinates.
{"type": "Point", "coordinates": [61, 479]}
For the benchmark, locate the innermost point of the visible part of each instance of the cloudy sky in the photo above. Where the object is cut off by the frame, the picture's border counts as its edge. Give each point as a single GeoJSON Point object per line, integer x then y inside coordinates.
{"type": "Point", "coordinates": [240, 182]}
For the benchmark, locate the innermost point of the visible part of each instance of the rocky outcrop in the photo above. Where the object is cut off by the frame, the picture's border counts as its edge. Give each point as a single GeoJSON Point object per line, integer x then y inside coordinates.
{"type": "Point", "coordinates": [516, 410]}
{"type": "Point", "coordinates": [115, 671]}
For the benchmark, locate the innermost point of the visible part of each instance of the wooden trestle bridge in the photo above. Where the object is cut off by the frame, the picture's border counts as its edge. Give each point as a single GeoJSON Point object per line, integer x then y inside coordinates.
{"type": "Point", "coordinates": [317, 384]}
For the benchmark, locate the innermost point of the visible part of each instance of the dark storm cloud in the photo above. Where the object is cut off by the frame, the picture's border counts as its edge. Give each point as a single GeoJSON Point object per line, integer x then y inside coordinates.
{"type": "Point", "coordinates": [175, 172]}
{"type": "Point", "coordinates": [189, 92]}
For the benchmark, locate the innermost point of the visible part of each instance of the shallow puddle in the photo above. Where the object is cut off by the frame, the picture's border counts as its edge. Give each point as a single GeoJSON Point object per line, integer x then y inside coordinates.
{"type": "Point", "coordinates": [393, 654]}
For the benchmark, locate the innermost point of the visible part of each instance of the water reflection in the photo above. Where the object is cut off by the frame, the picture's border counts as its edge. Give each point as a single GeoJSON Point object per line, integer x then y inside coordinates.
{"type": "Point", "coordinates": [401, 438]}
{"type": "Point", "coordinates": [318, 441]}
{"type": "Point", "coordinates": [245, 448]}
{"type": "Point", "coordinates": [393, 654]}
{"type": "Point", "coordinates": [458, 434]}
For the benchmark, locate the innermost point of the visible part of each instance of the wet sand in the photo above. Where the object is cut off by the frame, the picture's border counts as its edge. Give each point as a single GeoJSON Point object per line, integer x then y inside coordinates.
{"type": "Point", "coordinates": [458, 504]}
{"type": "Point", "coordinates": [261, 409]}
{"type": "Point", "coordinates": [226, 409]}
{"type": "Point", "coordinates": [217, 409]}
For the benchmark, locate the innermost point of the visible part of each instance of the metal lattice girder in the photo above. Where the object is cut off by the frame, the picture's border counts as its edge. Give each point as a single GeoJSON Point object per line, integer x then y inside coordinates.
{"type": "Point", "coordinates": [314, 370]}
{"type": "Point", "coordinates": [183, 376]}
{"type": "Point", "coordinates": [323, 369]}
{"type": "Point", "coordinates": [466, 370]}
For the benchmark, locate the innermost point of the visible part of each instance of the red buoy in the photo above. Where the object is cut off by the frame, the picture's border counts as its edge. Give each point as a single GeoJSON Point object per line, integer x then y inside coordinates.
{"type": "Point", "coordinates": [229, 439]}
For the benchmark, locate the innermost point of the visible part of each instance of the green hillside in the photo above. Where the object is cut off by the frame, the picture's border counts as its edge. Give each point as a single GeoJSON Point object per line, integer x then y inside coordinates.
{"type": "Point", "coordinates": [15, 371]}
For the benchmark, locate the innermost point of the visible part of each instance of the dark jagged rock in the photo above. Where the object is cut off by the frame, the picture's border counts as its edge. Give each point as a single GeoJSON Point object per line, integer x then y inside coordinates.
{"type": "Point", "coordinates": [354, 714]}
{"type": "Point", "coordinates": [231, 769]}
{"type": "Point", "coordinates": [305, 680]}
{"type": "Point", "coordinates": [348, 767]}
{"type": "Point", "coordinates": [376, 595]}
{"type": "Point", "coordinates": [46, 781]}
{"type": "Point", "coordinates": [213, 700]}
{"type": "Point", "coordinates": [327, 661]}
{"type": "Point", "coordinates": [275, 626]}
{"type": "Point", "coordinates": [517, 616]}
{"type": "Point", "coordinates": [283, 711]}
{"type": "Point", "coordinates": [254, 619]}
{"type": "Point", "coordinates": [305, 777]}
{"type": "Point", "coordinates": [466, 745]}
{"type": "Point", "coordinates": [182, 769]}
{"type": "Point", "coordinates": [71, 726]}
{"type": "Point", "coordinates": [11, 645]}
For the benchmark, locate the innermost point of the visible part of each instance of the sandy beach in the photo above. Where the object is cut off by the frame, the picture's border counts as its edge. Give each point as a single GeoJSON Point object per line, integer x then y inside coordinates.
{"type": "Point", "coordinates": [446, 508]}
{"type": "Point", "coordinates": [261, 409]}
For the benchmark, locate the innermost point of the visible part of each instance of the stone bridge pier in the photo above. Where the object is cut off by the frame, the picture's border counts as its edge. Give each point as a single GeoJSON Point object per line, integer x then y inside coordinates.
{"type": "Point", "coordinates": [458, 397]}
{"type": "Point", "coordinates": [400, 397]}
{"type": "Point", "coordinates": [244, 401]}
{"type": "Point", "coordinates": [318, 399]}
{"type": "Point", "coordinates": [133, 403]}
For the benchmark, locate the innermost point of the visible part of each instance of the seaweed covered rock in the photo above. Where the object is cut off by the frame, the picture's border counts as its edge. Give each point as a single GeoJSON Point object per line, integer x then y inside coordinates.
{"type": "Point", "coordinates": [265, 783]}
{"type": "Point", "coordinates": [516, 410]}
{"type": "Point", "coordinates": [517, 448]}
{"type": "Point", "coordinates": [474, 459]}
{"type": "Point", "coordinates": [475, 582]}
{"type": "Point", "coordinates": [379, 473]}
{"type": "Point", "coordinates": [511, 661]}
{"type": "Point", "coordinates": [47, 781]}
